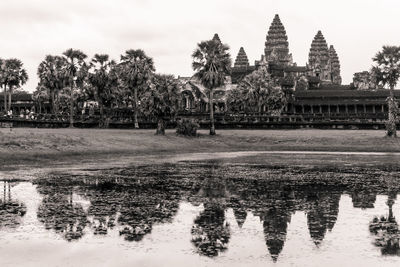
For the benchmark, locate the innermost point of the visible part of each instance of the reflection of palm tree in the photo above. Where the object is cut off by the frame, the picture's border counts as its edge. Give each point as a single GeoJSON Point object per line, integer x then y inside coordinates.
{"type": "Point", "coordinates": [211, 232]}
{"type": "Point", "coordinates": [386, 230]}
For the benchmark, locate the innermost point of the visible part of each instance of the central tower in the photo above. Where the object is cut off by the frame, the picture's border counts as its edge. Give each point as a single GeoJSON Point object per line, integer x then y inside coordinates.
{"type": "Point", "coordinates": [277, 45]}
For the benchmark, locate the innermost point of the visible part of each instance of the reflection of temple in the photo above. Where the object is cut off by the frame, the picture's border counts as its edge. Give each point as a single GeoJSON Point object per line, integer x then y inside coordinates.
{"type": "Point", "coordinates": [322, 212]}
{"type": "Point", "coordinates": [314, 89]}
{"type": "Point", "coordinates": [363, 198]}
{"type": "Point", "coordinates": [275, 223]}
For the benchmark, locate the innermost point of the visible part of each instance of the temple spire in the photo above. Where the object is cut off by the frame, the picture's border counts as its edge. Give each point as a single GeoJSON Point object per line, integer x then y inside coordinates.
{"type": "Point", "coordinates": [334, 64]}
{"type": "Point", "coordinates": [277, 45]}
{"type": "Point", "coordinates": [241, 59]}
{"type": "Point", "coordinates": [319, 53]}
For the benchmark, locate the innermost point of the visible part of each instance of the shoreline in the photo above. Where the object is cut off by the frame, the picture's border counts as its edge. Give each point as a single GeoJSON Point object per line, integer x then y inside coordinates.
{"type": "Point", "coordinates": [25, 148]}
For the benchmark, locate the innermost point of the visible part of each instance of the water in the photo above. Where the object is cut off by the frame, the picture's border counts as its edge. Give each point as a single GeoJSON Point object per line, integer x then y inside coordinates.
{"type": "Point", "coordinates": [219, 213]}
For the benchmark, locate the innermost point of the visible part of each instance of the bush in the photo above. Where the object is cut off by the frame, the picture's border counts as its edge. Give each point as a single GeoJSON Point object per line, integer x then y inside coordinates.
{"type": "Point", "coordinates": [187, 127]}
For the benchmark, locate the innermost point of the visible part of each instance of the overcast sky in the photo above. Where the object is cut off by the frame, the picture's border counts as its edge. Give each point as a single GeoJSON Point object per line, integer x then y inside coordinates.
{"type": "Point", "coordinates": [168, 30]}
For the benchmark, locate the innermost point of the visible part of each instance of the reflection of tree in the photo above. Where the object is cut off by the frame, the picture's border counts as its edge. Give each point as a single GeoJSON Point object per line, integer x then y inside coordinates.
{"type": "Point", "coordinates": [141, 209]}
{"type": "Point", "coordinates": [58, 212]}
{"type": "Point", "coordinates": [11, 210]}
{"type": "Point", "coordinates": [386, 230]}
{"type": "Point", "coordinates": [210, 231]}
{"type": "Point", "coordinates": [133, 205]}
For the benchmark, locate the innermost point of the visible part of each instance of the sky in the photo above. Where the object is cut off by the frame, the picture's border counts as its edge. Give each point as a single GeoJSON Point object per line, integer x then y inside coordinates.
{"type": "Point", "coordinates": [169, 30]}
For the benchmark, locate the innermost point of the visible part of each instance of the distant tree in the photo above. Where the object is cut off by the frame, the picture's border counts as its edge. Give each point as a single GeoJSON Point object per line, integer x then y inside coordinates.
{"type": "Point", "coordinates": [39, 96]}
{"type": "Point", "coordinates": [53, 77]}
{"type": "Point", "coordinates": [211, 63]}
{"type": "Point", "coordinates": [260, 89]}
{"type": "Point", "coordinates": [14, 76]}
{"type": "Point", "coordinates": [104, 81]}
{"type": "Point", "coordinates": [387, 71]}
{"type": "Point", "coordinates": [235, 100]}
{"type": "Point", "coordinates": [76, 71]}
{"type": "Point", "coordinates": [3, 82]}
{"type": "Point", "coordinates": [135, 71]}
{"type": "Point", "coordinates": [162, 99]}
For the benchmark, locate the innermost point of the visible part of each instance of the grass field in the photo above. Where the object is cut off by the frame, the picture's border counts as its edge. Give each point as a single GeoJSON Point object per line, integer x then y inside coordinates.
{"type": "Point", "coordinates": [28, 146]}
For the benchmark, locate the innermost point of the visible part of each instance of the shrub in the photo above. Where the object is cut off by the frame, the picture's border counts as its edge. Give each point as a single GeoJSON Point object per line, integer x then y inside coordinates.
{"type": "Point", "coordinates": [187, 127]}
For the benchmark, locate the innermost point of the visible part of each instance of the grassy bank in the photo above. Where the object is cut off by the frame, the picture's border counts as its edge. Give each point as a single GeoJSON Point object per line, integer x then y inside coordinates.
{"type": "Point", "coordinates": [27, 146]}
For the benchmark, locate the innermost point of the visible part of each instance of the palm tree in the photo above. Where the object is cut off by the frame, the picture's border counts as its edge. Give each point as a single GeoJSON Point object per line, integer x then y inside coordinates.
{"type": "Point", "coordinates": [136, 70]}
{"type": "Point", "coordinates": [387, 72]}
{"type": "Point", "coordinates": [211, 63]}
{"type": "Point", "coordinates": [104, 82]}
{"type": "Point", "coordinates": [52, 76]}
{"type": "Point", "coordinates": [75, 70]}
{"type": "Point", "coordinates": [39, 96]}
{"type": "Point", "coordinates": [162, 99]}
{"type": "Point", "coordinates": [14, 76]}
{"type": "Point", "coordinates": [3, 82]}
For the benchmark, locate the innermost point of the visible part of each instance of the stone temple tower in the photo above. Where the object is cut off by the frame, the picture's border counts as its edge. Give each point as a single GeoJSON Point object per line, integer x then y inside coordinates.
{"type": "Point", "coordinates": [323, 62]}
{"type": "Point", "coordinates": [241, 59]}
{"type": "Point", "coordinates": [277, 45]}
{"type": "Point", "coordinates": [334, 66]}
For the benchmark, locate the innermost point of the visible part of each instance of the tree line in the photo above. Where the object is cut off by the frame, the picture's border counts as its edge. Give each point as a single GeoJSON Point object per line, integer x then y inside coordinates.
{"type": "Point", "coordinates": [65, 80]}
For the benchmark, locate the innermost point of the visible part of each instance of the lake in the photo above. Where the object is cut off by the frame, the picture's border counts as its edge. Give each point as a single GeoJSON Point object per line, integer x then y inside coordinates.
{"type": "Point", "coordinates": [203, 213]}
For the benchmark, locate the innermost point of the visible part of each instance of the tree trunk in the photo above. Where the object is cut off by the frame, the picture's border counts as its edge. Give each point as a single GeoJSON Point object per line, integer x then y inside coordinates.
{"type": "Point", "coordinates": [71, 105]}
{"type": "Point", "coordinates": [135, 115]}
{"type": "Point", "coordinates": [391, 123]}
{"type": "Point", "coordinates": [160, 127]}
{"type": "Point", "coordinates": [53, 104]}
{"type": "Point", "coordinates": [5, 98]}
{"type": "Point", "coordinates": [212, 128]}
{"type": "Point", "coordinates": [102, 123]}
{"type": "Point", "coordinates": [9, 97]}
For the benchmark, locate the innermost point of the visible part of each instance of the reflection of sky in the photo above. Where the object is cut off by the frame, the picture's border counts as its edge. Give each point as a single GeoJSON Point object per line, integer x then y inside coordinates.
{"type": "Point", "coordinates": [349, 243]}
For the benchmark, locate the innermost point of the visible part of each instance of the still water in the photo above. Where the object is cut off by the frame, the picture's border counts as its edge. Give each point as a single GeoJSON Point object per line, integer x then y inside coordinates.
{"type": "Point", "coordinates": [203, 214]}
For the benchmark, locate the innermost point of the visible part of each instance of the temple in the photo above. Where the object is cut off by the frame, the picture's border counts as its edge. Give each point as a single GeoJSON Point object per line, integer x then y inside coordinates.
{"type": "Point", "coordinates": [314, 90]}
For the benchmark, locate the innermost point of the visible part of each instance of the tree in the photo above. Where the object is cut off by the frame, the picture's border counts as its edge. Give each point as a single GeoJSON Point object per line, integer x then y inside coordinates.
{"type": "Point", "coordinates": [40, 95]}
{"type": "Point", "coordinates": [53, 77]}
{"type": "Point", "coordinates": [162, 99]}
{"type": "Point", "coordinates": [211, 63]}
{"type": "Point", "coordinates": [14, 76]}
{"type": "Point", "coordinates": [3, 82]}
{"type": "Point", "coordinates": [258, 89]}
{"type": "Point", "coordinates": [136, 70]}
{"type": "Point", "coordinates": [76, 71]}
{"type": "Point", "coordinates": [387, 72]}
{"type": "Point", "coordinates": [104, 81]}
